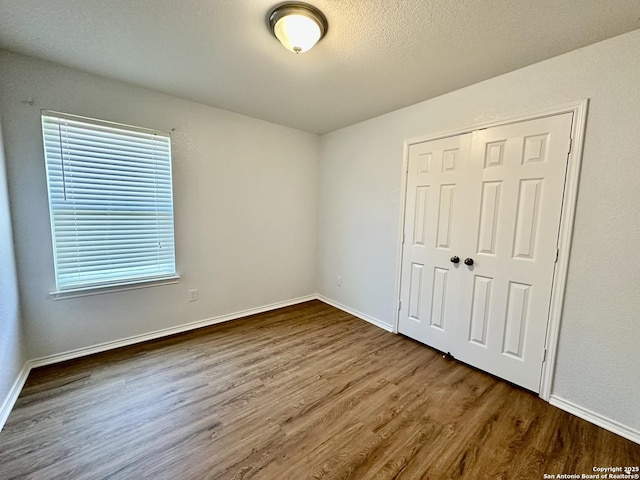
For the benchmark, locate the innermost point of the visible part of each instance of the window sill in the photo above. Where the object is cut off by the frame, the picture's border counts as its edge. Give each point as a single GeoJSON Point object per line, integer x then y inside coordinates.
{"type": "Point", "coordinates": [119, 287]}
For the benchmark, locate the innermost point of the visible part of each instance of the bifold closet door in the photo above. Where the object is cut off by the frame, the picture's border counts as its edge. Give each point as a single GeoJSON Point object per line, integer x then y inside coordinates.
{"type": "Point", "coordinates": [434, 228]}
{"type": "Point", "coordinates": [515, 202]}
{"type": "Point", "coordinates": [481, 226]}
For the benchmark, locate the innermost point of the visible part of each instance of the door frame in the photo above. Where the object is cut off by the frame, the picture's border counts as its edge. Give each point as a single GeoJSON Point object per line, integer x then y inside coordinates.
{"type": "Point", "coordinates": [565, 233]}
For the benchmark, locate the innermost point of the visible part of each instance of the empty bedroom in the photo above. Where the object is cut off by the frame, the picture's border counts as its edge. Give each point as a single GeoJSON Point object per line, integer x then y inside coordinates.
{"type": "Point", "coordinates": [329, 240]}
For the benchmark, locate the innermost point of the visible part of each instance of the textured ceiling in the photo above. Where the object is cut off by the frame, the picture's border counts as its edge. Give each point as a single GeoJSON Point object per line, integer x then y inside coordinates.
{"type": "Point", "coordinates": [378, 55]}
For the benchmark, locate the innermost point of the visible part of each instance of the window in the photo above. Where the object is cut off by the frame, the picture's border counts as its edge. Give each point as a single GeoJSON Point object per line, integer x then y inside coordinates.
{"type": "Point", "coordinates": [110, 201]}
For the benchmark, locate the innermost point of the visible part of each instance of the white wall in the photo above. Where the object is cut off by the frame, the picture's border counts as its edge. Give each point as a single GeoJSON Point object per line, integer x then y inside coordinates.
{"type": "Point", "coordinates": [360, 180]}
{"type": "Point", "coordinates": [245, 208]}
{"type": "Point", "coordinates": [12, 354]}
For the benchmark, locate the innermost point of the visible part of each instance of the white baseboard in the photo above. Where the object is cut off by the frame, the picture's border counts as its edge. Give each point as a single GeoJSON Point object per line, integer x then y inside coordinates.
{"type": "Point", "coordinates": [596, 418]}
{"type": "Point", "coordinates": [14, 393]}
{"type": "Point", "coordinates": [567, 406]}
{"type": "Point", "coordinates": [11, 399]}
{"type": "Point", "coordinates": [165, 332]}
{"type": "Point", "coordinates": [356, 313]}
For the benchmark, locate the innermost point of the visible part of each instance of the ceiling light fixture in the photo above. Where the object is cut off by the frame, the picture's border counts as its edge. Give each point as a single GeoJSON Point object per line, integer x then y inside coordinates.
{"type": "Point", "coordinates": [298, 26]}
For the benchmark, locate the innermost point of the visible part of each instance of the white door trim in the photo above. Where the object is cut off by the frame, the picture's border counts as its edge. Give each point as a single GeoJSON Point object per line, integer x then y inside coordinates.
{"type": "Point", "coordinates": [579, 110]}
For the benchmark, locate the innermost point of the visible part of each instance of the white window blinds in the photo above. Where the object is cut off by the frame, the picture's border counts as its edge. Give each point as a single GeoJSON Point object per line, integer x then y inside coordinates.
{"type": "Point", "coordinates": [110, 200]}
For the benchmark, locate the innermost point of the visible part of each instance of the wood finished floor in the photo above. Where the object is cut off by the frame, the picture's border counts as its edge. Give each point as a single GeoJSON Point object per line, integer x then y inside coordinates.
{"type": "Point", "coordinates": [304, 392]}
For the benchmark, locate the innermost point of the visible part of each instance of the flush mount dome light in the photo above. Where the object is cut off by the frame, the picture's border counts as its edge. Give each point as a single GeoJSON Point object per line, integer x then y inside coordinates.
{"type": "Point", "coordinates": [298, 26]}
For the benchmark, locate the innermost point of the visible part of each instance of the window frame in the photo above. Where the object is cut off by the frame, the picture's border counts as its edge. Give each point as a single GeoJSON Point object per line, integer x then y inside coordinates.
{"type": "Point", "coordinates": [110, 282]}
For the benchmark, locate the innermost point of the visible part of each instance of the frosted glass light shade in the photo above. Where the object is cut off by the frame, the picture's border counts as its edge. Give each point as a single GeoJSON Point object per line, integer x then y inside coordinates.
{"type": "Point", "coordinates": [297, 33]}
{"type": "Point", "coordinates": [298, 26]}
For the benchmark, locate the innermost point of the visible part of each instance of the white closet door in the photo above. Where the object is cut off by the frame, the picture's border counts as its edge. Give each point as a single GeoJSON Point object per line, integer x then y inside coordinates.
{"type": "Point", "coordinates": [494, 199]}
{"type": "Point", "coordinates": [433, 232]}
{"type": "Point", "coordinates": [514, 198]}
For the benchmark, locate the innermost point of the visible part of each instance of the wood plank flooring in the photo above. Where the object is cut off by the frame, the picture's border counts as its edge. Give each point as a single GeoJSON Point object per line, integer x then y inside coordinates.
{"type": "Point", "coordinates": [304, 392]}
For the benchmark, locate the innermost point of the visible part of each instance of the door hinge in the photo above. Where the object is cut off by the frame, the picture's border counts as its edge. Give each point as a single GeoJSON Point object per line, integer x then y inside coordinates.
{"type": "Point", "coordinates": [557, 255]}
{"type": "Point", "coordinates": [570, 144]}
{"type": "Point", "coordinates": [403, 237]}
{"type": "Point", "coordinates": [399, 305]}
{"type": "Point", "coordinates": [544, 356]}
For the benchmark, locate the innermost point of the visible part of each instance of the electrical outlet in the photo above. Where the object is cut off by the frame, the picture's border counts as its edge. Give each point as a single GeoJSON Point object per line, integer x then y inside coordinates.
{"type": "Point", "coordinates": [339, 280]}
{"type": "Point", "coordinates": [193, 295]}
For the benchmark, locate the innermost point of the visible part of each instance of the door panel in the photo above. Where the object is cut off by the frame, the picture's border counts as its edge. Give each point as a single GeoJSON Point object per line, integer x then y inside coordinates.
{"type": "Point", "coordinates": [445, 214]}
{"type": "Point", "coordinates": [432, 229]}
{"type": "Point", "coordinates": [516, 320]}
{"type": "Point", "coordinates": [480, 310]}
{"type": "Point", "coordinates": [489, 210]}
{"type": "Point", "coordinates": [515, 203]}
{"type": "Point", "coordinates": [526, 230]}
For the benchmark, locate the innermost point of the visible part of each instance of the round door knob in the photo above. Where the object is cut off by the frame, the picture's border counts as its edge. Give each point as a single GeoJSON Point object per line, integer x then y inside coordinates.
{"type": "Point", "coordinates": [468, 261]}
{"type": "Point", "coordinates": [455, 259]}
